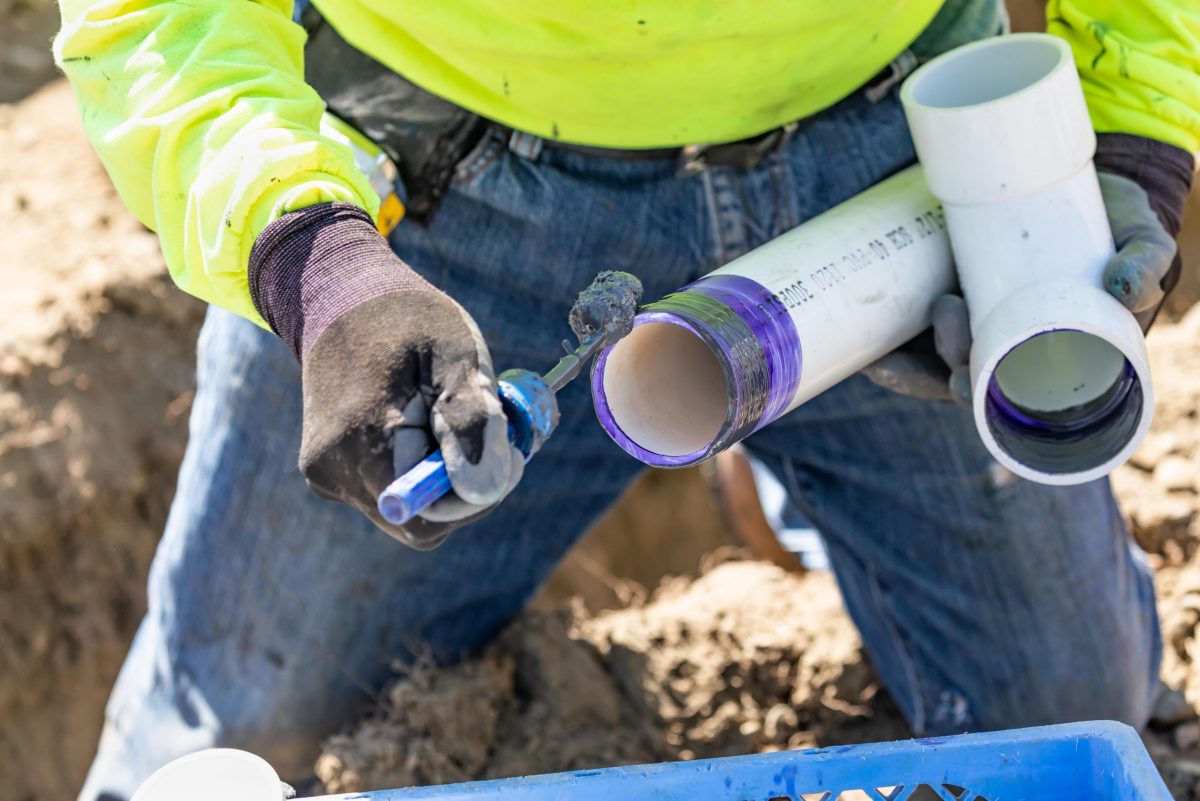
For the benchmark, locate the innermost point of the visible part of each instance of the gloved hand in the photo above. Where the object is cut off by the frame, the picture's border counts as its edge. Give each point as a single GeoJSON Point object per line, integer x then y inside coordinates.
{"type": "Point", "coordinates": [932, 370]}
{"type": "Point", "coordinates": [390, 365]}
{"type": "Point", "coordinates": [1145, 185]}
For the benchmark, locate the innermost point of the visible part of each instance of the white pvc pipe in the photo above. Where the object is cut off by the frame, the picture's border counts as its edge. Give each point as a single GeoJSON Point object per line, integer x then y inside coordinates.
{"type": "Point", "coordinates": [1059, 373]}
{"type": "Point", "coordinates": [217, 773]}
{"type": "Point", "coordinates": [709, 364]}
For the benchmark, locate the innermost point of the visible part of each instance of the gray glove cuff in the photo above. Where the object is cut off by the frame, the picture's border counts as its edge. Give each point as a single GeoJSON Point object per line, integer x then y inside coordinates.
{"type": "Point", "coordinates": [311, 266]}
{"type": "Point", "coordinates": [1163, 171]}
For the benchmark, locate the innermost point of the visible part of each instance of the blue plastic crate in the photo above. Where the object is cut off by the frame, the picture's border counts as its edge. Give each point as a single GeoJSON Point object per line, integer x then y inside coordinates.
{"type": "Point", "coordinates": [1096, 761]}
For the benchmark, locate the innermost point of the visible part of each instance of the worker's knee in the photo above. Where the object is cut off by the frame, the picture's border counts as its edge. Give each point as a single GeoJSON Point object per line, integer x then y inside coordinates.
{"type": "Point", "coordinates": [283, 720]}
{"type": "Point", "coordinates": [1061, 688]}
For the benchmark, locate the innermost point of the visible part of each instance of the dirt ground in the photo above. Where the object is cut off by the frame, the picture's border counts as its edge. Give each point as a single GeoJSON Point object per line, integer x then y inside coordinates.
{"type": "Point", "coordinates": [26, 27]}
{"type": "Point", "coordinates": [96, 362]}
{"type": "Point", "coordinates": [746, 658]}
{"type": "Point", "coordinates": [95, 386]}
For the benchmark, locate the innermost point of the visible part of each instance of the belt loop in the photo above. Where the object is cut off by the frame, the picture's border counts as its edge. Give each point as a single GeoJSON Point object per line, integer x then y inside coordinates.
{"type": "Point", "coordinates": [786, 132]}
{"type": "Point", "coordinates": [691, 161]}
{"type": "Point", "coordinates": [526, 145]}
{"type": "Point", "coordinates": [900, 68]}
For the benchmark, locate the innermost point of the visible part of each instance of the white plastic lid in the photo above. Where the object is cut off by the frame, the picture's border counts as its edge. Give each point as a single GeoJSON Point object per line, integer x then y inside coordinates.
{"type": "Point", "coordinates": [218, 774]}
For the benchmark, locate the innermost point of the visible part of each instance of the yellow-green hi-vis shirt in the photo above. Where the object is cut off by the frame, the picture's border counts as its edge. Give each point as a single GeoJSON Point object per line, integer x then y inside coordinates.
{"type": "Point", "coordinates": [200, 112]}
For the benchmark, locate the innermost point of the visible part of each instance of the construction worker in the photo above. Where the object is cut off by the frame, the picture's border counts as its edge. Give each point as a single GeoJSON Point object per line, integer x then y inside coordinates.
{"type": "Point", "coordinates": [538, 142]}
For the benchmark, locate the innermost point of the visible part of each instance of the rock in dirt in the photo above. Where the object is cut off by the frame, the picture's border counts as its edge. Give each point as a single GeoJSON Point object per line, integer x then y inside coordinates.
{"type": "Point", "coordinates": [1177, 473]}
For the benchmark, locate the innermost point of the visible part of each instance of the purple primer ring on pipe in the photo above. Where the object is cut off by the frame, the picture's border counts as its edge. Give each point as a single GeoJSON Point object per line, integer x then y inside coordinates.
{"type": "Point", "coordinates": [755, 342]}
{"type": "Point", "coordinates": [771, 324]}
{"type": "Point", "coordinates": [604, 413]}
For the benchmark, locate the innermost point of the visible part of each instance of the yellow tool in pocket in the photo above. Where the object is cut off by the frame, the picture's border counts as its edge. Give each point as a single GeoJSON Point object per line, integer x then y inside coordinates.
{"type": "Point", "coordinates": [376, 165]}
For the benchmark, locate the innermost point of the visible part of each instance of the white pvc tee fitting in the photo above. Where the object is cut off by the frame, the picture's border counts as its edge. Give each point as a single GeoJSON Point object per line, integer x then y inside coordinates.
{"type": "Point", "coordinates": [1059, 374]}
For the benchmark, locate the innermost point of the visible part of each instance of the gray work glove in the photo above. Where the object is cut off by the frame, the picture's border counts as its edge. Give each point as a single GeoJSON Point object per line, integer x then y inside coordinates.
{"type": "Point", "coordinates": [1140, 274]}
{"type": "Point", "coordinates": [932, 367]}
{"type": "Point", "coordinates": [1145, 185]}
{"type": "Point", "coordinates": [391, 368]}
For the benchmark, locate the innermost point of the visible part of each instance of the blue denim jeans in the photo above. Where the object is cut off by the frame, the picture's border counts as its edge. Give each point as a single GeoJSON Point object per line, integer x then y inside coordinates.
{"type": "Point", "coordinates": [275, 617]}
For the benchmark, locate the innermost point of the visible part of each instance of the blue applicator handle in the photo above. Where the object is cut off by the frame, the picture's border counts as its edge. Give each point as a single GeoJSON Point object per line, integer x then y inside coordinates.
{"type": "Point", "coordinates": [413, 492]}
{"type": "Point", "coordinates": [532, 413]}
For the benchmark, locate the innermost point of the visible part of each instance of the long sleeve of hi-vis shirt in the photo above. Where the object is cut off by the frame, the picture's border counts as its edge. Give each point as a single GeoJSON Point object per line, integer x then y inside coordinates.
{"type": "Point", "coordinates": [200, 114]}
{"type": "Point", "coordinates": [1140, 64]}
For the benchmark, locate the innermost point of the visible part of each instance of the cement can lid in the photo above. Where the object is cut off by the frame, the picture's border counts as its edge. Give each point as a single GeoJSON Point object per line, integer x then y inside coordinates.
{"type": "Point", "coordinates": [218, 773]}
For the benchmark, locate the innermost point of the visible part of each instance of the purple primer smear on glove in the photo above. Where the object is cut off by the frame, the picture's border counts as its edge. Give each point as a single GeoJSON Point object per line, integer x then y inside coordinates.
{"type": "Point", "coordinates": [755, 342]}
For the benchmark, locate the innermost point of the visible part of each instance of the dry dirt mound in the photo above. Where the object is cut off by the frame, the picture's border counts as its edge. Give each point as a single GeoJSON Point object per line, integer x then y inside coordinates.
{"type": "Point", "coordinates": [1160, 491]}
{"type": "Point", "coordinates": [1159, 487]}
{"type": "Point", "coordinates": [746, 658]}
{"type": "Point", "coordinates": [95, 386]}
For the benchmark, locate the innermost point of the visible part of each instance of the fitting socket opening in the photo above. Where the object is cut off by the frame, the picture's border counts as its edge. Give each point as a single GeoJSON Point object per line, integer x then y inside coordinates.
{"type": "Point", "coordinates": [1064, 403]}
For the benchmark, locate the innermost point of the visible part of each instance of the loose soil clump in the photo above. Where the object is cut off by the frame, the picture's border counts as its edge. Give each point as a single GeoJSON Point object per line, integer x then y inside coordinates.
{"type": "Point", "coordinates": [746, 658]}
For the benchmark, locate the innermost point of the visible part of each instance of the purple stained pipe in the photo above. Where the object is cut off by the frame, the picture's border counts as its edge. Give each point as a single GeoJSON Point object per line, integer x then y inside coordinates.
{"type": "Point", "coordinates": [722, 357]}
{"type": "Point", "coordinates": [755, 345]}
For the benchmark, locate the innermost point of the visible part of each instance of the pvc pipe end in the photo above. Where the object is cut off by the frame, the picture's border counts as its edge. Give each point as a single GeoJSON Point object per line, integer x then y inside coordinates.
{"type": "Point", "coordinates": [702, 368]}
{"type": "Point", "coordinates": [987, 71]}
{"type": "Point", "coordinates": [1068, 398]}
{"type": "Point", "coordinates": [999, 118]}
{"type": "Point", "coordinates": [393, 508]}
{"type": "Point", "coordinates": [661, 393]}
